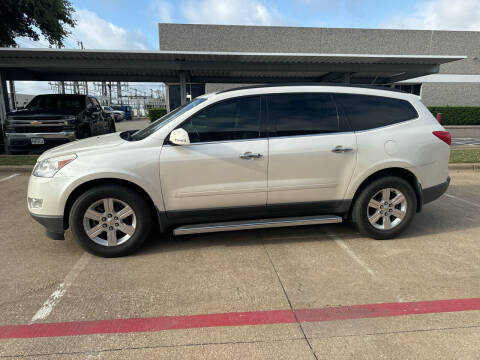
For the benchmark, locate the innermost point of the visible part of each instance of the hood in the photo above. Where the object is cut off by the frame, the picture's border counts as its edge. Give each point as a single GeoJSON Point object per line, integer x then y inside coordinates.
{"type": "Point", "coordinates": [95, 144]}
{"type": "Point", "coordinates": [43, 114]}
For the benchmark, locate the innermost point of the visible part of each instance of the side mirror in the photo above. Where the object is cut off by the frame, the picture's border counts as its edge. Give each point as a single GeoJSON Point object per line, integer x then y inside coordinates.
{"type": "Point", "coordinates": [179, 137]}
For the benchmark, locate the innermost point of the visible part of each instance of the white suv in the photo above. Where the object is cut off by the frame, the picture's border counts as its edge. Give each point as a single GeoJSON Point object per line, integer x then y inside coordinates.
{"type": "Point", "coordinates": [254, 157]}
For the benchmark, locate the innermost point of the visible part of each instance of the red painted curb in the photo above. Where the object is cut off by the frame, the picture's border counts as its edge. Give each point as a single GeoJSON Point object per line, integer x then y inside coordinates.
{"type": "Point", "coordinates": [162, 323]}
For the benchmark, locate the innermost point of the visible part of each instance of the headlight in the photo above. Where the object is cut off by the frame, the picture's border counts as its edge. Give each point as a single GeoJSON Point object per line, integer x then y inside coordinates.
{"type": "Point", "coordinates": [49, 167]}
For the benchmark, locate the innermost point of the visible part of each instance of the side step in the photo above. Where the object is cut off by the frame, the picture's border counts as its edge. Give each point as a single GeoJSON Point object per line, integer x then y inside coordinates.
{"type": "Point", "coordinates": [256, 224]}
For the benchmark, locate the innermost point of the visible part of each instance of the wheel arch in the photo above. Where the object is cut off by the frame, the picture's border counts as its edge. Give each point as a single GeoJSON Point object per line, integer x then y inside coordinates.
{"type": "Point", "coordinates": [403, 173]}
{"type": "Point", "coordinates": [80, 189]}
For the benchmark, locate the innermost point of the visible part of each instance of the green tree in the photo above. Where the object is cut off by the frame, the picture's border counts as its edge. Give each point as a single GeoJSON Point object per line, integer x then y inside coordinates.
{"type": "Point", "coordinates": [28, 18]}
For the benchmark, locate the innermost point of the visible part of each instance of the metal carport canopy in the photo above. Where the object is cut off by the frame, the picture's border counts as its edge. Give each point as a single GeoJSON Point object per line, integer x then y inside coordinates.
{"type": "Point", "coordinates": [213, 67]}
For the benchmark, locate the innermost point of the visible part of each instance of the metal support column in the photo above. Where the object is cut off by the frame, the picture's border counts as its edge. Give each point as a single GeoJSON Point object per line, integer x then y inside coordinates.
{"type": "Point", "coordinates": [13, 96]}
{"type": "Point", "coordinates": [183, 88]}
{"type": "Point", "coordinates": [4, 107]}
{"type": "Point", "coordinates": [167, 97]}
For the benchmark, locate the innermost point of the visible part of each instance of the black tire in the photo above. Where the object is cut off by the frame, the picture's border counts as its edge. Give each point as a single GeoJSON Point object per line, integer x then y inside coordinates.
{"type": "Point", "coordinates": [360, 208]}
{"type": "Point", "coordinates": [112, 127]}
{"type": "Point", "coordinates": [137, 202]}
{"type": "Point", "coordinates": [84, 132]}
{"type": "Point", "coordinates": [87, 132]}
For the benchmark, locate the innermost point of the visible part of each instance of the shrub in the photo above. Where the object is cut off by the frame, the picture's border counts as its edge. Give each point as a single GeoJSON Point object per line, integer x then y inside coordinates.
{"type": "Point", "coordinates": [457, 115]}
{"type": "Point", "coordinates": [156, 113]}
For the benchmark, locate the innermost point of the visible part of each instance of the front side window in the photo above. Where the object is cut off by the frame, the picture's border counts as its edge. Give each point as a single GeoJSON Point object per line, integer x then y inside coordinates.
{"type": "Point", "coordinates": [164, 120]}
{"type": "Point", "coordinates": [236, 119]}
{"type": "Point", "coordinates": [303, 114]}
{"type": "Point", "coordinates": [366, 112]}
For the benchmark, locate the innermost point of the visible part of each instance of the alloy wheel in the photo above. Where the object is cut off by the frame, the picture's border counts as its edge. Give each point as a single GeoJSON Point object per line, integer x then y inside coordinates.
{"type": "Point", "coordinates": [109, 222]}
{"type": "Point", "coordinates": [387, 209]}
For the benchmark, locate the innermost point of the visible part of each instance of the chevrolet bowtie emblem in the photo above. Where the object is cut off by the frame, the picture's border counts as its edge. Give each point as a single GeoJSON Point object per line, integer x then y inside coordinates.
{"type": "Point", "coordinates": [35, 122]}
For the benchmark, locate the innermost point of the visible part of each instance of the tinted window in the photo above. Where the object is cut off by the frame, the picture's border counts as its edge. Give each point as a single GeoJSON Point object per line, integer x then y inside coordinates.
{"type": "Point", "coordinates": [56, 102]}
{"type": "Point", "coordinates": [303, 114]}
{"type": "Point", "coordinates": [164, 120]}
{"type": "Point", "coordinates": [368, 112]}
{"type": "Point", "coordinates": [95, 102]}
{"type": "Point", "coordinates": [235, 119]}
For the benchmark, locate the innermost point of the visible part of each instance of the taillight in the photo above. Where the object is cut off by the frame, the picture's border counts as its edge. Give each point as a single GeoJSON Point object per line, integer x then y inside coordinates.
{"type": "Point", "coordinates": [444, 136]}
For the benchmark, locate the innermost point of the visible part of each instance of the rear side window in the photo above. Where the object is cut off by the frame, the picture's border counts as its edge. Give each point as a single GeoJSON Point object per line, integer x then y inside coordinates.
{"type": "Point", "coordinates": [303, 114]}
{"type": "Point", "coordinates": [366, 112]}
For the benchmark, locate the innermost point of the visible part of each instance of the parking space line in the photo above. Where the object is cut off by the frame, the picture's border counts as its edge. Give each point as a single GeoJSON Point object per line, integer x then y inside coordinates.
{"type": "Point", "coordinates": [269, 317]}
{"type": "Point", "coordinates": [350, 252]}
{"type": "Point", "coordinates": [8, 177]}
{"type": "Point", "coordinates": [463, 200]}
{"type": "Point", "coordinates": [61, 289]}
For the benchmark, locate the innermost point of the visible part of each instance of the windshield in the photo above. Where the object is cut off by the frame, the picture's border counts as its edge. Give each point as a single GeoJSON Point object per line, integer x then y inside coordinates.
{"type": "Point", "coordinates": [53, 102]}
{"type": "Point", "coordinates": [116, 107]}
{"type": "Point", "coordinates": [158, 124]}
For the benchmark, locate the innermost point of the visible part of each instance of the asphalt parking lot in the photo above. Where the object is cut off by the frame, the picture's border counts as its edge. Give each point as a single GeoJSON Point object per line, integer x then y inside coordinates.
{"type": "Point", "coordinates": [269, 294]}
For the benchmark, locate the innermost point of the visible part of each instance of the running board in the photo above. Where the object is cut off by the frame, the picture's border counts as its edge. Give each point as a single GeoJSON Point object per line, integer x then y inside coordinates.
{"type": "Point", "coordinates": [256, 224]}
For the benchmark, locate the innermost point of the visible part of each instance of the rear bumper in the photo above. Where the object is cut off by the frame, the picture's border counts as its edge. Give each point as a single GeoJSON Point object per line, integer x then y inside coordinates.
{"type": "Point", "coordinates": [434, 192]}
{"type": "Point", "coordinates": [22, 141]}
{"type": "Point", "coordinates": [53, 225]}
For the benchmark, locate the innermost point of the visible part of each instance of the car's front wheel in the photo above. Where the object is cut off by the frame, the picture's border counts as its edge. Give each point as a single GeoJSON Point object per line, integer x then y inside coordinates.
{"type": "Point", "coordinates": [385, 208]}
{"type": "Point", "coordinates": [110, 220]}
{"type": "Point", "coordinates": [112, 128]}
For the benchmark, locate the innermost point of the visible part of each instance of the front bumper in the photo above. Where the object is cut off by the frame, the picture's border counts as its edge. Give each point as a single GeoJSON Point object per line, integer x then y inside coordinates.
{"type": "Point", "coordinates": [53, 192]}
{"type": "Point", "coordinates": [434, 192]}
{"type": "Point", "coordinates": [23, 141]}
{"type": "Point", "coordinates": [53, 225]}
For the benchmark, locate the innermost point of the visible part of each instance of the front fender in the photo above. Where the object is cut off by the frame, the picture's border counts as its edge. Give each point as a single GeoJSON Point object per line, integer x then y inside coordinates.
{"type": "Point", "coordinates": [152, 190]}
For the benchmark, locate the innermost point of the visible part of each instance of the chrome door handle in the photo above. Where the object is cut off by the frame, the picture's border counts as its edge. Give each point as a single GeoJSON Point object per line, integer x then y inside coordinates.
{"type": "Point", "coordinates": [340, 149]}
{"type": "Point", "coordinates": [249, 155]}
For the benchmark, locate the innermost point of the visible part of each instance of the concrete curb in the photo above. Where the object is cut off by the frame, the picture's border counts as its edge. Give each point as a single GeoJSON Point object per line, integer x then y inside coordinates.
{"type": "Point", "coordinates": [464, 166]}
{"type": "Point", "coordinates": [461, 127]}
{"type": "Point", "coordinates": [17, 168]}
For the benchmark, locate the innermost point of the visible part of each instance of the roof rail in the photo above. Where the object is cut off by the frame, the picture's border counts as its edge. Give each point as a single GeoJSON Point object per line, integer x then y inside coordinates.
{"type": "Point", "coordinates": [375, 87]}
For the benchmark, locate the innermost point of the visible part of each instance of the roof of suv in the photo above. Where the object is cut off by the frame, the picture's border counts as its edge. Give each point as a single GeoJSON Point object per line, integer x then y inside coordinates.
{"type": "Point", "coordinates": [374, 87]}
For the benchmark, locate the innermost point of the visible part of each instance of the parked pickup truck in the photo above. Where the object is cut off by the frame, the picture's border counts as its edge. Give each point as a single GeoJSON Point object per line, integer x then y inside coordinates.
{"type": "Point", "coordinates": [54, 119]}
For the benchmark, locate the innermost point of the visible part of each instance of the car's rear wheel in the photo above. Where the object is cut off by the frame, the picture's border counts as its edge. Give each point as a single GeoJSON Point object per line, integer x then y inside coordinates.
{"type": "Point", "coordinates": [385, 208]}
{"type": "Point", "coordinates": [110, 220]}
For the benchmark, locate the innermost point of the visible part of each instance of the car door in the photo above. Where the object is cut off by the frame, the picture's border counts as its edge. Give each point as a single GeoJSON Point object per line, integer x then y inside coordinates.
{"type": "Point", "coordinates": [101, 118]}
{"type": "Point", "coordinates": [312, 154]}
{"type": "Point", "coordinates": [223, 172]}
{"type": "Point", "coordinates": [92, 116]}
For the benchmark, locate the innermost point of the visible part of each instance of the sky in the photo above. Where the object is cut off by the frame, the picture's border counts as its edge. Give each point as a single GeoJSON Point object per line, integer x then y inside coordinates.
{"type": "Point", "coordinates": [131, 25]}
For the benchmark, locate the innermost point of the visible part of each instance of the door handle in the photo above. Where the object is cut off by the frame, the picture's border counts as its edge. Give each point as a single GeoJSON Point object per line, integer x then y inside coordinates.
{"type": "Point", "coordinates": [340, 149]}
{"type": "Point", "coordinates": [249, 155]}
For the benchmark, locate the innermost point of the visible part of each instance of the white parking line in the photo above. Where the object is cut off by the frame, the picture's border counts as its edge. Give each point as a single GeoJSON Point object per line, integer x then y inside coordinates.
{"type": "Point", "coordinates": [463, 200]}
{"type": "Point", "coordinates": [350, 252]}
{"type": "Point", "coordinates": [8, 177]}
{"type": "Point", "coordinates": [61, 289]}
